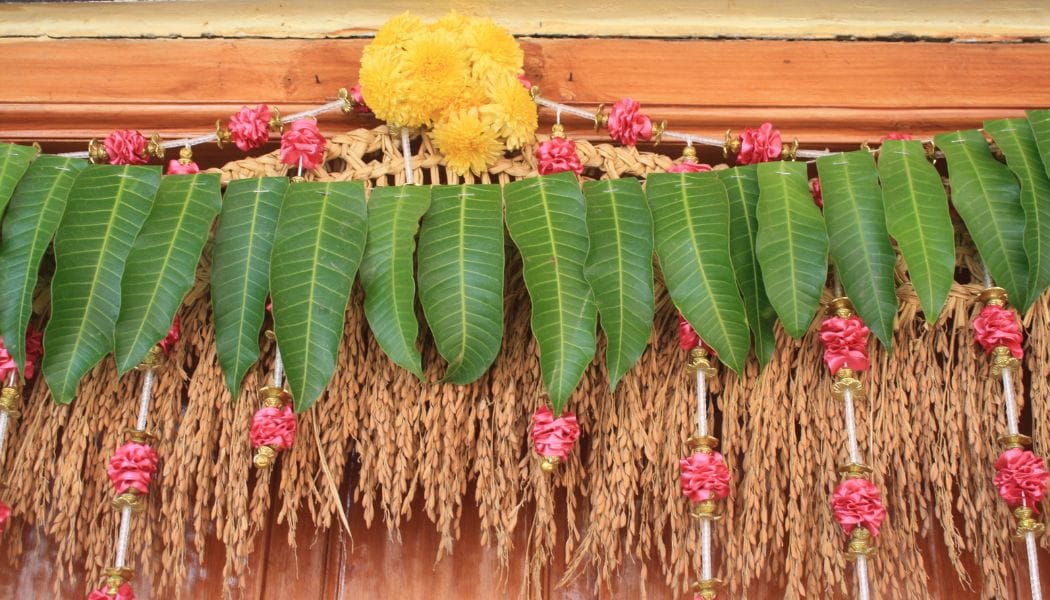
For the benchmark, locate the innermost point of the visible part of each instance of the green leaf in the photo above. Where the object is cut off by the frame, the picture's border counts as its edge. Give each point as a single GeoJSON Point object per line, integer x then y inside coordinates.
{"type": "Point", "coordinates": [240, 271]}
{"type": "Point", "coordinates": [917, 217]}
{"type": "Point", "coordinates": [316, 252]}
{"type": "Point", "coordinates": [860, 244]}
{"type": "Point", "coordinates": [163, 263]}
{"type": "Point", "coordinates": [741, 185]}
{"type": "Point", "coordinates": [1040, 122]}
{"type": "Point", "coordinates": [107, 207]}
{"type": "Point", "coordinates": [461, 276]}
{"type": "Point", "coordinates": [14, 161]}
{"type": "Point", "coordinates": [546, 217]}
{"type": "Point", "coordinates": [1017, 142]}
{"type": "Point", "coordinates": [386, 271]}
{"type": "Point", "coordinates": [32, 218]}
{"type": "Point", "coordinates": [691, 224]}
{"type": "Point", "coordinates": [792, 244]}
{"type": "Point", "coordinates": [620, 269]}
{"type": "Point", "coordinates": [988, 198]}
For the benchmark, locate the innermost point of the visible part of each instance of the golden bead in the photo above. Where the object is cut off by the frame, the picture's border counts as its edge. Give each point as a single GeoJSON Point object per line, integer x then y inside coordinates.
{"type": "Point", "coordinates": [549, 463]}
{"type": "Point", "coordinates": [707, 588]}
{"type": "Point", "coordinates": [601, 118]}
{"type": "Point", "coordinates": [996, 296]}
{"type": "Point", "coordinates": [855, 470]}
{"type": "Point", "coordinates": [153, 359]}
{"type": "Point", "coordinates": [140, 436]}
{"type": "Point", "coordinates": [129, 499]}
{"type": "Point", "coordinates": [731, 144]}
{"type": "Point", "coordinates": [154, 148]}
{"type": "Point", "coordinates": [298, 179]}
{"type": "Point", "coordinates": [185, 155]}
{"type": "Point", "coordinates": [1002, 360]}
{"type": "Point", "coordinates": [222, 135]}
{"type": "Point", "coordinates": [116, 577]}
{"type": "Point", "coordinates": [534, 91]}
{"type": "Point", "coordinates": [706, 510]}
{"type": "Point", "coordinates": [844, 380]}
{"type": "Point", "coordinates": [841, 307]}
{"type": "Point", "coordinates": [702, 443]}
{"type": "Point", "coordinates": [859, 544]}
{"type": "Point", "coordinates": [1026, 523]}
{"type": "Point", "coordinates": [264, 456]}
{"type": "Point", "coordinates": [789, 151]}
{"type": "Point", "coordinates": [698, 361]}
{"type": "Point", "coordinates": [1014, 440]}
{"type": "Point", "coordinates": [9, 399]}
{"type": "Point", "coordinates": [348, 102]}
{"type": "Point", "coordinates": [689, 154]}
{"type": "Point", "coordinates": [275, 397]}
{"type": "Point", "coordinates": [658, 132]}
{"type": "Point", "coordinates": [97, 152]}
{"type": "Point", "coordinates": [276, 124]}
{"type": "Point", "coordinates": [557, 130]}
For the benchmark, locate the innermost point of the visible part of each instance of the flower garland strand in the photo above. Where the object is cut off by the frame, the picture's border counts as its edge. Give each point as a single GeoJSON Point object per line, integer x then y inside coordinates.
{"type": "Point", "coordinates": [856, 502]}
{"type": "Point", "coordinates": [273, 426]}
{"type": "Point", "coordinates": [10, 397]}
{"type": "Point", "coordinates": [704, 475]}
{"type": "Point", "coordinates": [131, 470]}
{"type": "Point", "coordinates": [1021, 475]}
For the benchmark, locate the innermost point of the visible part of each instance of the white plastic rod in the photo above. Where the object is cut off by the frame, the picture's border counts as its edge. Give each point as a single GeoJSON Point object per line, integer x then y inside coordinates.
{"type": "Point", "coordinates": [278, 369]}
{"type": "Point", "coordinates": [863, 592]}
{"type": "Point", "coordinates": [701, 403]}
{"type": "Point", "coordinates": [144, 400]}
{"type": "Point", "coordinates": [1008, 401]}
{"type": "Point", "coordinates": [123, 537]}
{"type": "Point", "coordinates": [1033, 565]}
{"type": "Point", "coordinates": [706, 569]}
{"type": "Point", "coordinates": [406, 152]}
{"type": "Point", "coordinates": [851, 426]}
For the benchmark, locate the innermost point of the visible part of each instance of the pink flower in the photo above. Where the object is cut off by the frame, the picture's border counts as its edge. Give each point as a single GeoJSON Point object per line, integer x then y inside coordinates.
{"type": "Point", "coordinates": [132, 467]}
{"type": "Point", "coordinates": [5, 514]}
{"type": "Point", "coordinates": [7, 363]}
{"type": "Point", "coordinates": [34, 350]}
{"type": "Point", "coordinates": [274, 427]}
{"type": "Point", "coordinates": [525, 81]}
{"type": "Point", "coordinates": [845, 343]}
{"type": "Point", "coordinates": [814, 188]}
{"type": "Point", "coordinates": [1021, 478]}
{"type": "Point", "coordinates": [857, 502]}
{"type": "Point", "coordinates": [303, 141]}
{"type": "Point", "coordinates": [126, 147]}
{"type": "Point", "coordinates": [174, 333]}
{"type": "Point", "coordinates": [358, 99]}
{"type": "Point", "coordinates": [689, 167]}
{"type": "Point", "coordinates": [554, 437]}
{"type": "Point", "coordinates": [759, 145]}
{"type": "Point", "coordinates": [124, 592]}
{"type": "Point", "coordinates": [704, 476]}
{"type": "Point", "coordinates": [250, 128]}
{"type": "Point", "coordinates": [688, 338]}
{"type": "Point", "coordinates": [998, 326]}
{"type": "Point", "coordinates": [556, 155]}
{"type": "Point", "coordinates": [627, 125]}
{"type": "Point", "coordinates": [177, 168]}
{"type": "Point", "coordinates": [895, 135]}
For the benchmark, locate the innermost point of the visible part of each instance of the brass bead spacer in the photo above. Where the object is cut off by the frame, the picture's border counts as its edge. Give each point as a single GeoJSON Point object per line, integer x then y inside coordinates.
{"type": "Point", "coordinates": [534, 91]}
{"type": "Point", "coordinates": [140, 436]}
{"type": "Point", "coordinates": [185, 155]}
{"type": "Point", "coordinates": [844, 380]}
{"type": "Point", "coordinates": [706, 510]}
{"type": "Point", "coordinates": [9, 400]}
{"type": "Point", "coordinates": [557, 130]}
{"type": "Point", "coordinates": [348, 102]}
{"type": "Point", "coordinates": [702, 443]}
{"type": "Point", "coordinates": [264, 456]}
{"type": "Point", "coordinates": [698, 361]}
{"type": "Point", "coordinates": [789, 151]}
{"type": "Point", "coordinates": [130, 499]}
{"type": "Point", "coordinates": [1014, 440]}
{"type": "Point", "coordinates": [276, 124]}
{"type": "Point", "coordinates": [731, 144]}
{"type": "Point", "coordinates": [1026, 523]}
{"type": "Point", "coordinates": [154, 358]}
{"type": "Point", "coordinates": [601, 118]}
{"type": "Point", "coordinates": [97, 152]}
{"type": "Point", "coordinates": [689, 154]}
{"type": "Point", "coordinates": [154, 148]}
{"type": "Point", "coordinates": [116, 577]}
{"type": "Point", "coordinates": [855, 470]}
{"type": "Point", "coordinates": [841, 307]}
{"type": "Point", "coordinates": [860, 544]}
{"type": "Point", "coordinates": [298, 179]}
{"type": "Point", "coordinates": [275, 397]}
{"type": "Point", "coordinates": [658, 132]}
{"type": "Point", "coordinates": [1002, 360]}
{"type": "Point", "coordinates": [549, 463]}
{"type": "Point", "coordinates": [996, 296]}
{"type": "Point", "coordinates": [222, 135]}
{"type": "Point", "coordinates": [707, 589]}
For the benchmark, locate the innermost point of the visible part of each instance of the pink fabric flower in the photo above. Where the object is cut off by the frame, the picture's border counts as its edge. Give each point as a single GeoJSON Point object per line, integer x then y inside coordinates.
{"type": "Point", "coordinates": [857, 502]}
{"type": "Point", "coordinates": [7, 363]}
{"type": "Point", "coordinates": [554, 437]}
{"type": "Point", "coordinates": [302, 141]}
{"type": "Point", "coordinates": [250, 127]}
{"type": "Point", "coordinates": [525, 81]}
{"type": "Point", "coordinates": [556, 155]}
{"type": "Point", "coordinates": [704, 476]}
{"type": "Point", "coordinates": [1021, 478]}
{"type": "Point", "coordinates": [173, 336]}
{"type": "Point", "coordinates": [759, 145]}
{"type": "Point", "coordinates": [814, 188]}
{"type": "Point", "coordinates": [895, 135]}
{"type": "Point", "coordinates": [124, 592]}
{"type": "Point", "coordinates": [998, 326]}
{"type": "Point", "coordinates": [688, 338]}
{"type": "Point", "coordinates": [5, 514]}
{"type": "Point", "coordinates": [177, 168]}
{"type": "Point", "coordinates": [126, 147]}
{"type": "Point", "coordinates": [34, 350]}
{"type": "Point", "coordinates": [273, 427]}
{"type": "Point", "coordinates": [845, 343]}
{"type": "Point", "coordinates": [359, 99]}
{"type": "Point", "coordinates": [689, 167]}
{"type": "Point", "coordinates": [132, 467]}
{"type": "Point", "coordinates": [627, 125]}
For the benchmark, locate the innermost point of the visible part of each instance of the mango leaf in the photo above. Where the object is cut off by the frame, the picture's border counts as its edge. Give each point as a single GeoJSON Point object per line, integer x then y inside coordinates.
{"type": "Point", "coordinates": [240, 271]}
{"type": "Point", "coordinates": [14, 161]}
{"type": "Point", "coordinates": [546, 217]}
{"type": "Point", "coordinates": [316, 252]}
{"type": "Point", "coordinates": [1040, 122]}
{"type": "Point", "coordinates": [163, 263]}
{"type": "Point", "coordinates": [792, 244]}
{"type": "Point", "coordinates": [461, 276]}
{"type": "Point", "coordinates": [917, 217]}
{"type": "Point", "coordinates": [741, 185]}
{"type": "Point", "coordinates": [988, 198]}
{"type": "Point", "coordinates": [1017, 142]}
{"type": "Point", "coordinates": [386, 271]}
{"type": "Point", "coordinates": [32, 218]}
{"type": "Point", "coordinates": [860, 245]}
{"type": "Point", "coordinates": [691, 224]}
{"type": "Point", "coordinates": [620, 269]}
{"type": "Point", "coordinates": [106, 209]}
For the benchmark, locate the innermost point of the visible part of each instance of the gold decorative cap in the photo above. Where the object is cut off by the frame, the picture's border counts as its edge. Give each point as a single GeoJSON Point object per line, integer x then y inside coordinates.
{"type": "Point", "coordinates": [789, 151]}
{"type": "Point", "coordinates": [841, 307]}
{"type": "Point", "coordinates": [707, 588]}
{"type": "Point", "coordinates": [276, 124]}
{"type": "Point", "coordinates": [154, 358]}
{"type": "Point", "coordinates": [855, 470]}
{"type": "Point", "coordinates": [97, 152]}
{"type": "Point", "coordinates": [1026, 523]}
{"type": "Point", "coordinates": [731, 144]}
{"type": "Point", "coordinates": [557, 130]}
{"type": "Point", "coordinates": [9, 400]}
{"type": "Point", "coordinates": [549, 463]}
{"type": "Point", "coordinates": [702, 443]}
{"type": "Point", "coordinates": [601, 118]}
{"type": "Point", "coordinates": [275, 397]}
{"type": "Point", "coordinates": [860, 544]}
{"type": "Point", "coordinates": [1014, 440]}
{"type": "Point", "coordinates": [264, 456]}
{"type": "Point", "coordinates": [996, 296]}
{"type": "Point", "coordinates": [222, 135]}
{"type": "Point", "coordinates": [658, 132]}
{"type": "Point", "coordinates": [116, 577]}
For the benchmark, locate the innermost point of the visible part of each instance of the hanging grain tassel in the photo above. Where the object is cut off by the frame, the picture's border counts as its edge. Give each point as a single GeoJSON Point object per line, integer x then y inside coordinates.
{"type": "Point", "coordinates": [1021, 476]}
{"type": "Point", "coordinates": [11, 398]}
{"type": "Point", "coordinates": [704, 474]}
{"type": "Point", "coordinates": [856, 502]}
{"type": "Point", "coordinates": [131, 470]}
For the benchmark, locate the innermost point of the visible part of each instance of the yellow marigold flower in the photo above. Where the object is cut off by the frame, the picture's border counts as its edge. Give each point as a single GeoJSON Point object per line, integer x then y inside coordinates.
{"type": "Point", "coordinates": [383, 85]}
{"type": "Point", "coordinates": [492, 50]}
{"type": "Point", "coordinates": [398, 30]}
{"type": "Point", "coordinates": [453, 23]}
{"type": "Point", "coordinates": [436, 66]}
{"type": "Point", "coordinates": [467, 143]}
{"type": "Point", "coordinates": [511, 111]}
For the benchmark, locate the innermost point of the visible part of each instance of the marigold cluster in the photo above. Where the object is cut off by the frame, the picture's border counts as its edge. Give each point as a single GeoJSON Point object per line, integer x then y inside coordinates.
{"type": "Point", "coordinates": [458, 76]}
